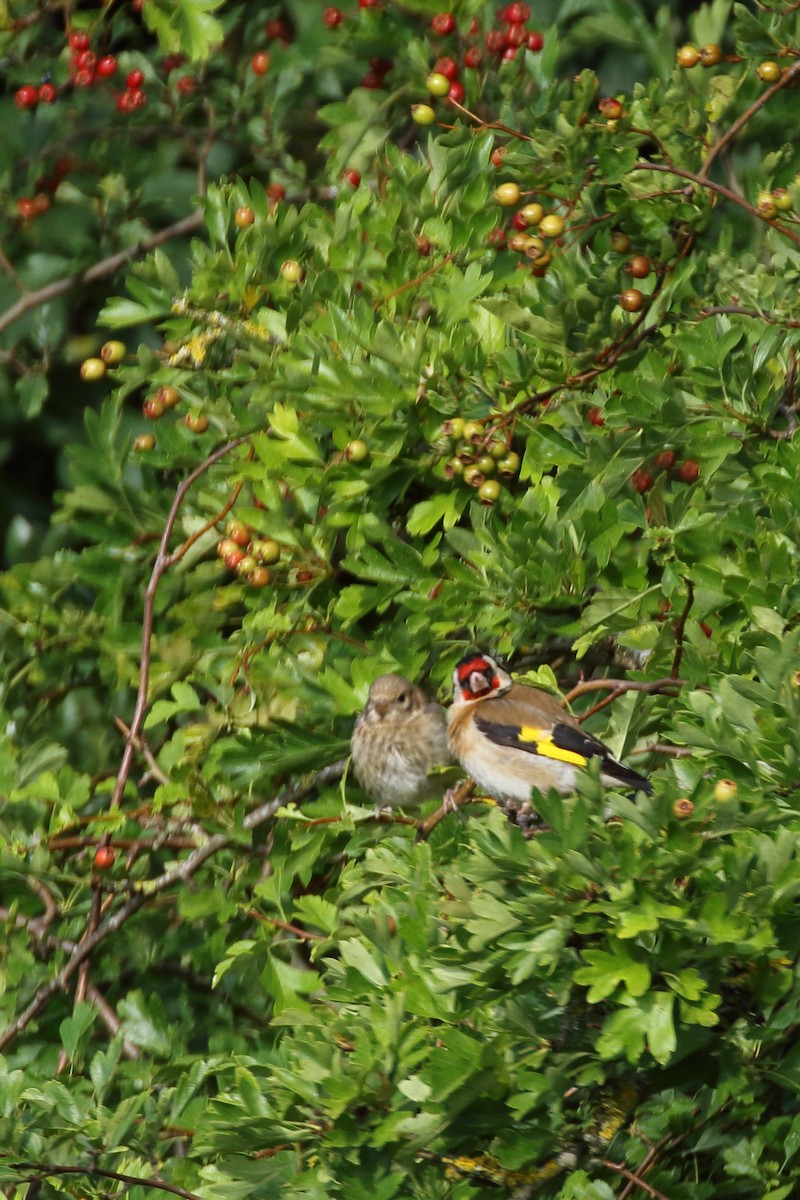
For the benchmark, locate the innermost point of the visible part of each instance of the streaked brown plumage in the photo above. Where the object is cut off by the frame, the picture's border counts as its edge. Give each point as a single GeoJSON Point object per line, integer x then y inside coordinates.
{"type": "Point", "coordinates": [398, 738]}
{"type": "Point", "coordinates": [511, 738]}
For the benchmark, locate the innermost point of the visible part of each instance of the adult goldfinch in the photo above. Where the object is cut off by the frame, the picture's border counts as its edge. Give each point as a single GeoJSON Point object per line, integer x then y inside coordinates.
{"type": "Point", "coordinates": [399, 737]}
{"type": "Point", "coordinates": [511, 738]}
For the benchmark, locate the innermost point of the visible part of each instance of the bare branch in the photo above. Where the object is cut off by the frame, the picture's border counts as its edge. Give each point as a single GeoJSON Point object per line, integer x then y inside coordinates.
{"type": "Point", "coordinates": [99, 270]}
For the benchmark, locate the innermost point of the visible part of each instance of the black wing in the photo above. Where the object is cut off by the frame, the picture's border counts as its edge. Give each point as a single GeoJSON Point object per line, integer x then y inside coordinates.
{"type": "Point", "coordinates": [565, 738]}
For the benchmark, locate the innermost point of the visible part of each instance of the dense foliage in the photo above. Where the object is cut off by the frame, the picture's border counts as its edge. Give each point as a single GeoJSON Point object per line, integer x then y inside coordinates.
{"type": "Point", "coordinates": [515, 370]}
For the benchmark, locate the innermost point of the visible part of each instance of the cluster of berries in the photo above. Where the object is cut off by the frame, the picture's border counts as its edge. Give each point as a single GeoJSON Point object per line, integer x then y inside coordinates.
{"type": "Point", "coordinates": [249, 556]}
{"type": "Point", "coordinates": [478, 457]}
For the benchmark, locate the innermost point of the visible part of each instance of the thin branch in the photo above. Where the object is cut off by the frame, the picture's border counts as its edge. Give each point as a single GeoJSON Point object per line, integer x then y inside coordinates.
{"type": "Point", "coordinates": [661, 748]}
{"type": "Point", "coordinates": [634, 1179]}
{"type": "Point", "coordinates": [44, 1170]}
{"type": "Point", "coordinates": [680, 626]}
{"type": "Point", "coordinates": [110, 1020]}
{"type": "Point", "coordinates": [163, 561]}
{"type": "Point", "coordinates": [144, 749]}
{"type": "Point", "coordinates": [414, 282]}
{"type": "Point", "coordinates": [738, 310]}
{"type": "Point", "coordinates": [666, 685]}
{"type": "Point", "coordinates": [787, 78]}
{"type": "Point", "coordinates": [682, 173]}
{"type": "Point", "coordinates": [182, 872]}
{"type": "Point", "coordinates": [99, 270]}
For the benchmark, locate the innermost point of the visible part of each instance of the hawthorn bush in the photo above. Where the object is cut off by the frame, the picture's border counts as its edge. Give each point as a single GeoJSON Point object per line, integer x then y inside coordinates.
{"type": "Point", "coordinates": [509, 364]}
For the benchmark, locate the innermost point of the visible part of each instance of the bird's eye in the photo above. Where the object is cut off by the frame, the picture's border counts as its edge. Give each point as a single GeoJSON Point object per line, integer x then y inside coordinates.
{"type": "Point", "coordinates": [401, 699]}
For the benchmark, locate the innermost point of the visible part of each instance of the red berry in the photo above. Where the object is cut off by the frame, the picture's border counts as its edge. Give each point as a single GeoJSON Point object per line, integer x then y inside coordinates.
{"type": "Point", "coordinates": [79, 41]}
{"type": "Point", "coordinates": [595, 417]}
{"type": "Point", "coordinates": [639, 266]}
{"type": "Point", "coordinates": [509, 55]}
{"type": "Point", "coordinates": [688, 471]}
{"type": "Point", "coordinates": [641, 480]}
{"type": "Point", "coordinates": [238, 532]}
{"type": "Point", "coordinates": [443, 23]}
{"type": "Point", "coordinates": [496, 237]}
{"type": "Point", "coordinates": [664, 460]}
{"type": "Point", "coordinates": [187, 85]}
{"type": "Point", "coordinates": [127, 102]}
{"type": "Point", "coordinates": [632, 300]}
{"type": "Point", "coordinates": [259, 577]}
{"type": "Point", "coordinates": [167, 394]}
{"type": "Point", "coordinates": [332, 17]}
{"type": "Point", "coordinates": [278, 30]}
{"type": "Point", "coordinates": [275, 192]}
{"type": "Point", "coordinates": [473, 57]}
{"type": "Point", "coordinates": [381, 66]}
{"type": "Point", "coordinates": [47, 93]}
{"type": "Point", "coordinates": [456, 92]}
{"type": "Point", "coordinates": [369, 3]}
{"type": "Point", "coordinates": [104, 857]}
{"type": "Point", "coordinates": [610, 108]}
{"type": "Point", "coordinates": [515, 35]}
{"type": "Point", "coordinates": [515, 14]}
{"type": "Point", "coordinates": [233, 559]}
{"type": "Point", "coordinates": [27, 96]}
{"type": "Point", "coordinates": [83, 78]}
{"type": "Point", "coordinates": [352, 177]}
{"type": "Point", "coordinates": [495, 40]}
{"type": "Point", "coordinates": [172, 62]}
{"type": "Point", "coordinates": [534, 41]}
{"type": "Point", "coordinates": [86, 61]}
{"type": "Point", "coordinates": [26, 207]}
{"type": "Point", "coordinates": [372, 80]}
{"type": "Point", "coordinates": [153, 408]}
{"type": "Point", "coordinates": [106, 66]}
{"type": "Point", "coordinates": [134, 79]}
{"type": "Point", "coordinates": [447, 67]}
{"type": "Point", "coordinates": [259, 63]}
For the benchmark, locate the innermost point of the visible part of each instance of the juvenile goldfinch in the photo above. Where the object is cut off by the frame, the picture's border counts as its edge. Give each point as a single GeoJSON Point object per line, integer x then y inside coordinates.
{"type": "Point", "coordinates": [398, 738]}
{"type": "Point", "coordinates": [511, 738]}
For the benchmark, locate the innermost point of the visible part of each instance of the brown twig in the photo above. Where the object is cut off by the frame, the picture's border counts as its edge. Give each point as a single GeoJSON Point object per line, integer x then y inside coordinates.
{"type": "Point", "coordinates": [212, 521]}
{"type": "Point", "coordinates": [680, 627]}
{"type": "Point", "coordinates": [738, 310]}
{"type": "Point", "coordinates": [410, 283]}
{"type": "Point", "coordinates": [636, 1180]}
{"type": "Point", "coordinates": [163, 561]}
{"type": "Point", "coordinates": [738, 125]}
{"type": "Point", "coordinates": [99, 270]}
{"type": "Point", "coordinates": [181, 872]}
{"type": "Point", "coordinates": [660, 748]}
{"type": "Point", "coordinates": [144, 749]}
{"type": "Point", "coordinates": [44, 1170]}
{"type": "Point", "coordinates": [110, 1020]}
{"type": "Point", "coordinates": [461, 795]}
{"type": "Point", "coordinates": [666, 685]}
{"type": "Point", "coordinates": [682, 173]}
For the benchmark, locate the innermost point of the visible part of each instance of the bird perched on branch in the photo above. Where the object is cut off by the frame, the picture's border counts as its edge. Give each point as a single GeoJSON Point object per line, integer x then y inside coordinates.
{"type": "Point", "coordinates": [511, 738]}
{"type": "Point", "coordinates": [398, 739]}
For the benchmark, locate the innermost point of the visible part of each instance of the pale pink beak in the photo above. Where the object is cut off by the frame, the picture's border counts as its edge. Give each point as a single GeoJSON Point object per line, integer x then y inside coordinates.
{"type": "Point", "coordinates": [478, 683]}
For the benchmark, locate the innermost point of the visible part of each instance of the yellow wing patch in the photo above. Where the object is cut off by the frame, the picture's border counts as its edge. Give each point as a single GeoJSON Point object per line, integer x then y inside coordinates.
{"type": "Point", "coordinates": [547, 748]}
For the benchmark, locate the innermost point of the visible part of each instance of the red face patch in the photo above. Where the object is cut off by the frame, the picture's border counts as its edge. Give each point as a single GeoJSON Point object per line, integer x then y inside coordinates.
{"type": "Point", "coordinates": [476, 676]}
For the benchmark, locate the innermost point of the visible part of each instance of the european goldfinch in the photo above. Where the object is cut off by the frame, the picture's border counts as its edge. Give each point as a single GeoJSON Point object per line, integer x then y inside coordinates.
{"type": "Point", "coordinates": [511, 738]}
{"type": "Point", "coordinates": [399, 737]}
